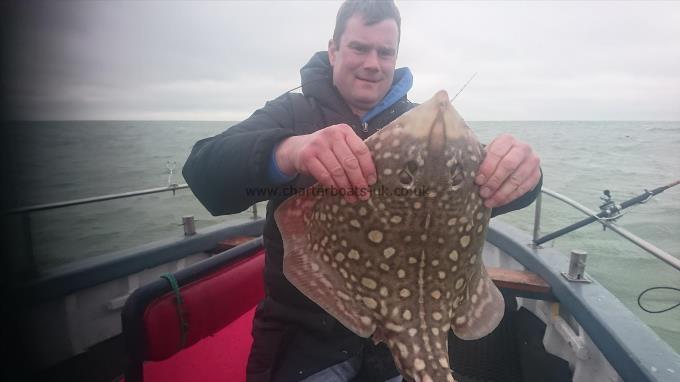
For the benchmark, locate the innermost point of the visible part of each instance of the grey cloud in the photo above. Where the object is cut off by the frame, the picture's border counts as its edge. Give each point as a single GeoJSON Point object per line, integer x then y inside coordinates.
{"type": "Point", "coordinates": [222, 60]}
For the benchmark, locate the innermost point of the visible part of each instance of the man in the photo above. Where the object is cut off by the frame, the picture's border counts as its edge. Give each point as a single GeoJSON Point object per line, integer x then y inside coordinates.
{"type": "Point", "coordinates": [349, 92]}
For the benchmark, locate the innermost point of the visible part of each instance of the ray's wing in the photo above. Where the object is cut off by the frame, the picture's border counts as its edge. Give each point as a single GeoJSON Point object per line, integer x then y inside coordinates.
{"type": "Point", "coordinates": [482, 309]}
{"type": "Point", "coordinates": [307, 262]}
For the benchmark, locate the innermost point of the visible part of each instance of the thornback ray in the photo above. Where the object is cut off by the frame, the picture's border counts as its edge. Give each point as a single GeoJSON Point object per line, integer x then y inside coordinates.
{"type": "Point", "coordinates": [404, 266]}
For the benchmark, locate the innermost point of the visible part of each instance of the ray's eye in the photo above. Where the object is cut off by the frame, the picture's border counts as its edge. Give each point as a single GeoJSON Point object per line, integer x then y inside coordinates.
{"type": "Point", "coordinates": [407, 173]}
{"type": "Point", "coordinates": [405, 178]}
{"type": "Point", "coordinates": [457, 178]}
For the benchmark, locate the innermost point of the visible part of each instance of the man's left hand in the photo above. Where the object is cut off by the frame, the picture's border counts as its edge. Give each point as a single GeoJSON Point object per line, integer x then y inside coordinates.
{"type": "Point", "coordinates": [509, 170]}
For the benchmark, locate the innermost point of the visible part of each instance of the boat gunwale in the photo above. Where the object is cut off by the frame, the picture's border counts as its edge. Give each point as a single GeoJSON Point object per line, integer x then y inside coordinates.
{"type": "Point", "coordinates": [78, 275]}
{"type": "Point", "coordinates": [631, 347]}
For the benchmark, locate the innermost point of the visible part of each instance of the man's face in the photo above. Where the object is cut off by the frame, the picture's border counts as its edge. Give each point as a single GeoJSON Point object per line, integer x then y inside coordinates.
{"type": "Point", "coordinates": [363, 63]}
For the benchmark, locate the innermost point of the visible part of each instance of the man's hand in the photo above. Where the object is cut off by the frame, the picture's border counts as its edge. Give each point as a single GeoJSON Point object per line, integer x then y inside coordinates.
{"type": "Point", "coordinates": [510, 170]}
{"type": "Point", "coordinates": [335, 156]}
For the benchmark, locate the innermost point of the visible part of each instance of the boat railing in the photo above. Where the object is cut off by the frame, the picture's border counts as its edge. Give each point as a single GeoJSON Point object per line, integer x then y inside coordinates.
{"type": "Point", "coordinates": [30, 266]}
{"type": "Point", "coordinates": [645, 245]}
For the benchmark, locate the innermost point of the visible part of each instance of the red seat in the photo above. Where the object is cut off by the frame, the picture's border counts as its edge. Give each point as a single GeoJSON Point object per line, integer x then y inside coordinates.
{"type": "Point", "coordinates": [218, 300]}
{"type": "Point", "coordinates": [221, 357]}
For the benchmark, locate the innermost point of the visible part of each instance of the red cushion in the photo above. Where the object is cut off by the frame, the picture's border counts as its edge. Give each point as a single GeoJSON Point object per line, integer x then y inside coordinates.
{"type": "Point", "coordinates": [210, 304]}
{"type": "Point", "coordinates": [222, 357]}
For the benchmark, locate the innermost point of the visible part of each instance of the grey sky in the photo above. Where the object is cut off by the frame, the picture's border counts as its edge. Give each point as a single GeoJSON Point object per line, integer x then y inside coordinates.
{"type": "Point", "coordinates": [222, 60]}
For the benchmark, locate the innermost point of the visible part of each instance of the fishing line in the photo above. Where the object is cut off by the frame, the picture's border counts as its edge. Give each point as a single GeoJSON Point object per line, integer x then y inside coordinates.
{"type": "Point", "coordinates": [639, 299]}
{"type": "Point", "coordinates": [463, 88]}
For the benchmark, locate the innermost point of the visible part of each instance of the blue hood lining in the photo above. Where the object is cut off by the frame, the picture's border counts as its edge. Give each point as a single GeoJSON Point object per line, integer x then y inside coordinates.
{"type": "Point", "coordinates": [397, 91]}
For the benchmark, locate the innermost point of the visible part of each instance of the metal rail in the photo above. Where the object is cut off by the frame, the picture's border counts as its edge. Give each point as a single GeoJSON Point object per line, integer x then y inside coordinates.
{"type": "Point", "coordinates": [76, 202]}
{"type": "Point", "coordinates": [28, 265]}
{"type": "Point", "coordinates": [645, 245]}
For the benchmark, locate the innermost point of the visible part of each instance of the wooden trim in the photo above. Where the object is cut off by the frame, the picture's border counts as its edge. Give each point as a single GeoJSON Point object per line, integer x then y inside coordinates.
{"type": "Point", "coordinates": [518, 280]}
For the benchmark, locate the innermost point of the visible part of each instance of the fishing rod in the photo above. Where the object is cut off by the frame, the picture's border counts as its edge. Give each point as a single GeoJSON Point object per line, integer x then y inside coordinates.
{"type": "Point", "coordinates": [609, 211]}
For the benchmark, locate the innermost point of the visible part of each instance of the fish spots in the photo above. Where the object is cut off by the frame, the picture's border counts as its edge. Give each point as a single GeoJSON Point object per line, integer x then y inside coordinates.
{"type": "Point", "coordinates": [441, 275]}
{"type": "Point", "coordinates": [384, 267]}
{"type": "Point", "coordinates": [452, 222]}
{"type": "Point", "coordinates": [443, 362]}
{"type": "Point", "coordinates": [387, 171]}
{"type": "Point", "coordinates": [369, 302]}
{"type": "Point", "coordinates": [453, 255]}
{"type": "Point", "coordinates": [412, 332]}
{"type": "Point", "coordinates": [419, 364]}
{"type": "Point", "coordinates": [435, 262]}
{"type": "Point", "coordinates": [355, 223]}
{"type": "Point", "coordinates": [459, 283]}
{"type": "Point", "coordinates": [402, 349]}
{"type": "Point", "coordinates": [465, 241]}
{"type": "Point", "coordinates": [369, 283]}
{"type": "Point", "coordinates": [412, 260]}
{"type": "Point", "coordinates": [314, 267]}
{"type": "Point", "coordinates": [375, 236]}
{"type": "Point", "coordinates": [437, 316]}
{"type": "Point", "coordinates": [473, 258]}
{"type": "Point", "coordinates": [394, 327]}
{"type": "Point", "coordinates": [365, 320]}
{"type": "Point", "coordinates": [461, 320]}
{"type": "Point", "coordinates": [436, 294]}
{"type": "Point", "coordinates": [389, 252]}
{"type": "Point", "coordinates": [401, 273]}
{"type": "Point", "coordinates": [384, 292]}
{"type": "Point", "coordinates": [435, 331]}
{"type": "Point", "coordinates": [396, 219]}
{"type": "Point", "coordinates": [353, 254]}
{"type": "Point", "coordinates": [339, 256]}
{"type": "Point", "coordinates": [343, 295]}
{"type": "Point", "coordinates": [417, 205]}
{"type": "Point", "coordinates": [406, 315]}
{"type": "Point", "coordinates": [404, 293]}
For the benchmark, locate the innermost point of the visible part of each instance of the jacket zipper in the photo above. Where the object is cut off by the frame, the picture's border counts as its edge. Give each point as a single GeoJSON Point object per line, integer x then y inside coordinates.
{"type": "Point", "coordinates": [365, 127]}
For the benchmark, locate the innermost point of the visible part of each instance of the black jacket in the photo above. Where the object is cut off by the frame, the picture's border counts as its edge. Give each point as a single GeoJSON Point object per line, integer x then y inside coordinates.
{"type": "Point", "coordinates": [293, 337]}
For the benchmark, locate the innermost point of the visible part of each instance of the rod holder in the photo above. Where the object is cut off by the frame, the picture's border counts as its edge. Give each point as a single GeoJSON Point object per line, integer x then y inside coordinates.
{"type": "Point", "coordinates": [189, 225]}
{"type": "Point", "coordinates": [577, 267]}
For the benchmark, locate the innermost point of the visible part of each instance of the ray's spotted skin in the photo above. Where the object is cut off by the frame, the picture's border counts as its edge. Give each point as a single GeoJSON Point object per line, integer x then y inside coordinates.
{"type": "Point", "coordinates": [405, 265]}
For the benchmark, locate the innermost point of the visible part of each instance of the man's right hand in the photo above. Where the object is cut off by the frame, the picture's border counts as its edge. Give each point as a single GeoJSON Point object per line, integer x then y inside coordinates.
{"type": "Point", "coordinates": [335, 156]}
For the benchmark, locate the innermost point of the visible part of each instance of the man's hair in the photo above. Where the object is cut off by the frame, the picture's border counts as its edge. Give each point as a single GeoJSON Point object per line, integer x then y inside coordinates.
{"type": "Point", "coordinates": [371, 11]}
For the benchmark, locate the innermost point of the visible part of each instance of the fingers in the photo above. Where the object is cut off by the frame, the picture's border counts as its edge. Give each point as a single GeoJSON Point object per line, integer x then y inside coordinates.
{"type": "Point", "coordinates": [522, 181]}
{"type": "Point", "coordinates": [509, 170]}
{"type": "Point", "coordinates": [337, 157]}
{"type": "Point", "coordinates": [360, 150]}
{"type": "Point", "coordinates": [339, 172]}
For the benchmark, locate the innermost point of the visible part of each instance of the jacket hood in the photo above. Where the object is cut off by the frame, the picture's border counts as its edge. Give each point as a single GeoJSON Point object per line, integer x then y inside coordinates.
{"type": "Point", "coordinates": [317, 81]}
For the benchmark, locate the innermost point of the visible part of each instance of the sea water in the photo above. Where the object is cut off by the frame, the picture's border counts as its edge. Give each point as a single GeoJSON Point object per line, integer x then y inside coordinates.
{"type": "Point", "coordinates": [48, 162]}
